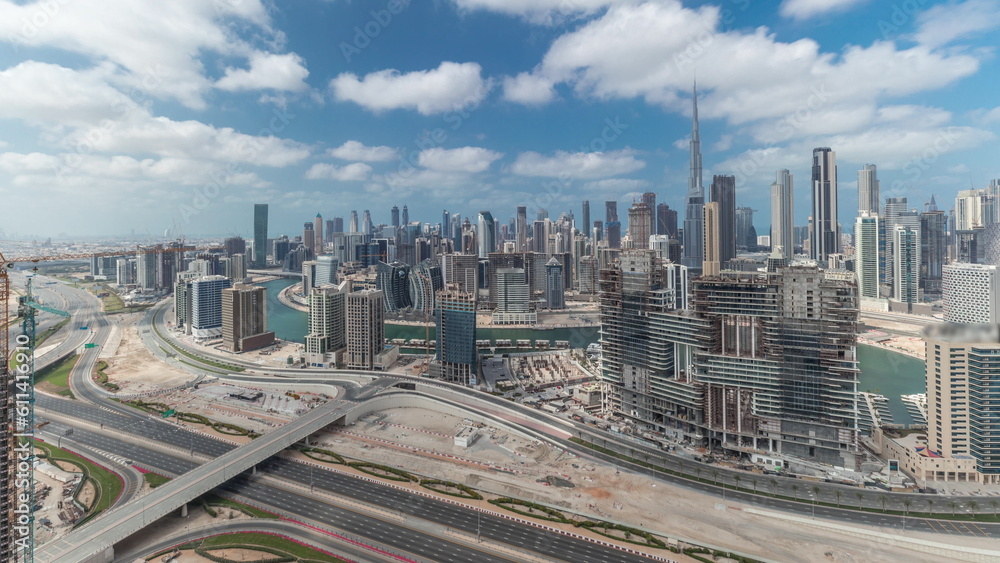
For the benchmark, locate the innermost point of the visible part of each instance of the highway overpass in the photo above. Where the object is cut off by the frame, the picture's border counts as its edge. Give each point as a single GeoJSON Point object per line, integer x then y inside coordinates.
{"type": "Point", "coordinates": [93, 543]}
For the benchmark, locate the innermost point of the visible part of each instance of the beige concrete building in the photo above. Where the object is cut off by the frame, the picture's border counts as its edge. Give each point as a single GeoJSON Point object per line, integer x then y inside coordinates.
{"type": "Point", "coordinates": [244, 318]}
{"type": "Point", "coordinates": [365, 333]}
{"type": "Point", "coordinates": [963, 408]}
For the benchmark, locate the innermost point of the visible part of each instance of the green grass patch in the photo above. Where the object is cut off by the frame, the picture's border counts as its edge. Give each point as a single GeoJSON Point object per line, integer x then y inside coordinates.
{"type": "Point", "coordinates": [102, 378]}
{"type": "Point", "coordinates": [155, 479]}
{"type": "Point", "coordinates": [326, 456]}
{"type": "Point", "coordinates": [269, 542]}
{"type": "Point", "coordinates": [229, 429]}
{"type": "Point", "coordinates": [192, 418]}
{"type": "Point", "coordinates": [47, 333]}
{"type": "Point", "coordinates": [623, 533]}
{"type": "Point", "coordinates": [531, 509]}
{"type": "Point", "coordinates": [55, 377]}
{"type": "Point", "coordinates": [383, 471]}
{"type": "Point", "coordinates": [448, 488]}
{"type": "Point", "coordinates": [109, 485]}
{"type": "Point", "coordinates": [152, 407]}
{"type": "Point", "coordinates": [216, 500]}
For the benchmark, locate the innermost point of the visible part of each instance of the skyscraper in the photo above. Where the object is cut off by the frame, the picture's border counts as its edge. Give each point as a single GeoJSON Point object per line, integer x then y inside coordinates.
{"type": "Point", "coordinates": [723, 192]}
{"type": "Point", "coordinates": [869, 198]}
{"type": "Point", "coordinates": [206, 305]}
{"type": "Point", "coordinates": [521, 229]}
{"type": "Point", "coordinates": [906, 264]}
{"type": "Point", "coordinates": [782, 219]}
{"type": "Point", "coordinates": [586, 218]}
{"type": "Point", "coordinates": [406, 215]}
{"type": "Point", "coordinates": [327, 316]}
{"type": "Point", "coordinates": [711, 217]}
{"type": "Point", "coordinates": [355, 228]}
{"type": "Point", "coordinates": [366, 223]}
{"type": "Point", "coordinates": [554, 288]}
{"type": "Point", "coordinates": [971, 293]}
{"type": "Point", "coordinates": [639, 223]}
{"type": "Point", "coordinates": [318, 239]}
{"type": "Point", "coordinates": [963, 365]}
{"type": "Point", "coordinates": [486, 234]}
{"type": "Point", "coordinates": [244, 318]}
{"type": "Point", "coordinates": [364, 328]}
{"type": "Point", "coordinates": [933, 250]}
{"type": "Point", "coordinates": [649, 198]}
{"type": "Point", "coordinates": [746, 234]}
{"type": "Point", "coordinates": [825, 239]}
{"type": "Point", "coordinates": [513, 294]}
{"type": "Point", "coordinates": [309, 237]}
{"type": "Point", "coordinates": [867, 263]}
{"type": "Point", "coordinates": [395, 218]}
{"type": "Point", "coordinates": [666, 220]}
{"type": "Point", "coordinates": [260, 235]}
{"type": "Point", "coordinates": [456, 358]}
{"type": "Point", "coordinates": [693, 228]}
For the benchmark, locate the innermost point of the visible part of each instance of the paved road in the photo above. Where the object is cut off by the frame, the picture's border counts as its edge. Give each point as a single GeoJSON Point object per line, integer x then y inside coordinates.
{"type": "Point", "coordinates": [402, 538]}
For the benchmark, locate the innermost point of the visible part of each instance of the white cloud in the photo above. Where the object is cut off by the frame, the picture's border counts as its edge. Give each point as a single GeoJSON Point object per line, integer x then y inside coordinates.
{"type": "Point", "coordinates": [992, 116]}
{"type": "Point", "coordinates": [944, 23]}
{"type": "Point", "coordinates": [805, 9]}
{"type": "Point", "coordinates": [156, 50]}
{"type": "Point", "coordinates": [466, 159]}
{"type": "Point", "coordinates": [267, 72]}
{"type": "Point", "coordinates": [449, 87]}
{"type": "Point", "coordinates": [356, 172]}
{"type": "Point", "coordinates": [537, 11]}
{"type": "Point", "coordinates": [355, 150]}
{"type": "Point", "coordinates": [768, 90]}
{"type": "Point", "coordinates": [44, 92]}
{"type": "Point", "coordinates": [576, 165]}
{"type": "Point", "coordinates": [527, 88]}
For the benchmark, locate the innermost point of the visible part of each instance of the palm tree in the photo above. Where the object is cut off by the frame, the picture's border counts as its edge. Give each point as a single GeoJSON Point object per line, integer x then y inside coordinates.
{"type": "Point", "coordinates": [995, 505]}
{"type": "Point", "coordinates": [737, 478]}
{"type": "Point", "coordinates": [930, 506]}
{"type": "Point", "coordinates": [861, 497]}
{"type": "Point", "coordinates": [839, 494]}
{"type": "Point", "coordinates": [883, 500]}
{"type": "Point", "coordinates": [953, 505]}
{"type": "Point", "coordinates": [754, 483]}
{"type": "Point", "coordinates": [715, 476]}
{"type": "Point", "coordinates": [795, 489]}
{"type": "Point", "coordinates": [698, 469]}
{"type": "Point", "coordinates": [907, 504]}
{"type": "Point", "coordinates": [774, 486]}
{"type": "Point", "coordinates": [973, 506]}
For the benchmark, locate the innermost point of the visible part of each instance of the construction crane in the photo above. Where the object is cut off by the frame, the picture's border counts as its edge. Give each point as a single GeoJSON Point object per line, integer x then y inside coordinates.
{"type": "Point", "coordinates": [17, 403]}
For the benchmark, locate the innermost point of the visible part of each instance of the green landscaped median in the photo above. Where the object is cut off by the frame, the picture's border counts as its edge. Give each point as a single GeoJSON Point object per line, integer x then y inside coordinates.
{"type": "Point", "coordinates": [215, 500]}
{"type": "Point", "coordinates": [849, 502]}
{"type": "Point", "coordinates": [47, 333]}
{"type": "Point", "coordinates": [55, 378]}
{"type": "Point", "coordinates": [108, 485]}
{"type": "Point", "coordinates": [280, 548]}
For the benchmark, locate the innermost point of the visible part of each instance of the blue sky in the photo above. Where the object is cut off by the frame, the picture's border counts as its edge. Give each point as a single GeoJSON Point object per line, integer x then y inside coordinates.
{"type": "Point", "coordinates": [123, 115]}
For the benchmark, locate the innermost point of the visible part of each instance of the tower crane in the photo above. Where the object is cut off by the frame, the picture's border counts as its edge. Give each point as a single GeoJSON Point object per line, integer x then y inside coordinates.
{"type": "Point", "coordinates": [17, 403]}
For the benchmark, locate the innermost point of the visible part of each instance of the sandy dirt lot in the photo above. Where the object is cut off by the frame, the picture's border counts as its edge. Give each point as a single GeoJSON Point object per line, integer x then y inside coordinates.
{"type": "Point", "coordinates": [505, 463]}
{"type": "Point", "coordinates": [135, 369]}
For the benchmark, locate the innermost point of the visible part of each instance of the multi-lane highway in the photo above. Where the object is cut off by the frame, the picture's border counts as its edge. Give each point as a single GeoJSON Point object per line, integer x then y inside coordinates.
{"type": "Point", "coordinates": [546, 544]}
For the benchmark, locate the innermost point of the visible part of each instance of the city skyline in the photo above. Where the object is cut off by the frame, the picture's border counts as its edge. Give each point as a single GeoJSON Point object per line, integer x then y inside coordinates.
{"type": "Point", "coordinates": [546, 124]}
